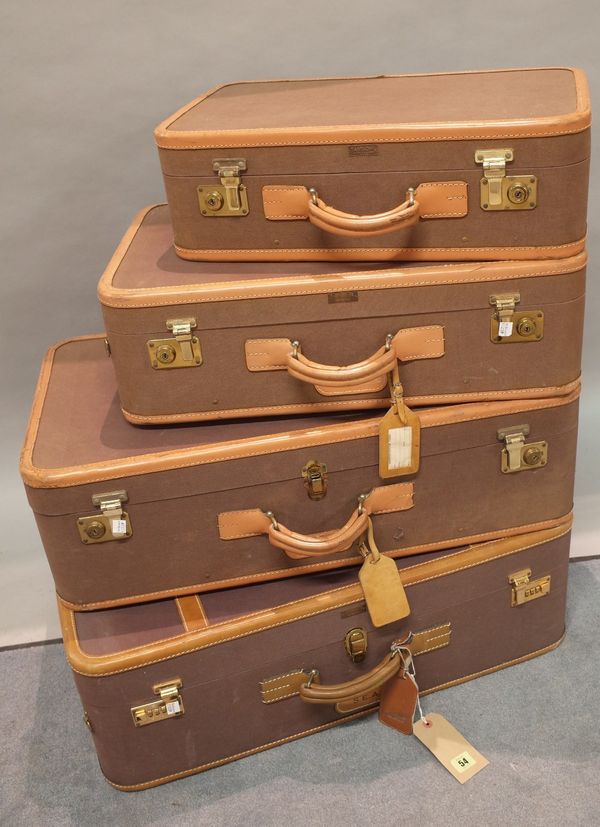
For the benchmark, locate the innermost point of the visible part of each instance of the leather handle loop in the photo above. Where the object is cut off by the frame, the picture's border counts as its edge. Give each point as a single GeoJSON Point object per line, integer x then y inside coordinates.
{"type": "Point", "coordinates": [381, 363]}
{"type": "Point", "coordinates": [341, 223]}
{"type": "Point", "coordinates": [299, 546]}
{"type": "Point", "coordinates": [318, 693]}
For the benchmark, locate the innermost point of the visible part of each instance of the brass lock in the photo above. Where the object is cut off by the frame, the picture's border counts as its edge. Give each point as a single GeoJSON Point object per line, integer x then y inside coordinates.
{"type": "Point", "coordinates": [517, 455]}
{"type": "Point", "coordinates": [511, 325]}
{"type": "Point", "coordinates": [314, 475]}
{"type": "Point", "coordinates": [168, 705]}
{"type": "Point", "coordinates": [355, 644]}
{"type": "Point", "coordinates": [524, 589]}
{"type": "Point", "coordinates": [182, 351]}
{"type": "Point", "coordinates": [526, 326]}
{"type": "Point", "coordinates": [229, 198]}
{"type": "Point", "coordinates": [214, 201]}
{"type": "Point", "coordinates": [499, 191]}
{"type": "Point", "coordinates": [95, 530]}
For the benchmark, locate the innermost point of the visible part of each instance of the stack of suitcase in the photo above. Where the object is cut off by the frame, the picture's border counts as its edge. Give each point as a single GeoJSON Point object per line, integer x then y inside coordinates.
{"type": "Point", "coordinates": [352, 337]}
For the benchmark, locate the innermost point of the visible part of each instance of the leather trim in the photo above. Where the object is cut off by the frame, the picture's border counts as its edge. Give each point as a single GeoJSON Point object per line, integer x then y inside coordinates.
{"type": "Point", "coordinates": [395, 277]}
{"type": "Point", "coordinates": [255, 622]}
{"type": "Point", "coordinates": [558, 251]}
{"type": "Point", "coordinates": [436, 199]}
{"type": "Point", "coordinates": [281, 574]}
{"type": "Point", "coordinates": [191, 612]}
{"type": "Point", "coordinates": [36, 477]}
{"type": "Point", "coordinates": [203, 767]}
{"type": "Point", "coordinates": [385, 499]}
{"type": "Point", "coordinates": [168, 138]}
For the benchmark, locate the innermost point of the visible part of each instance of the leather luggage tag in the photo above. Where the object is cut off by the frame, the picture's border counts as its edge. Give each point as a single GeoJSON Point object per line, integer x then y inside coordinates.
{"type": "Point", "coordinates": [399, 436]}
{"type": "Point", "coordinates": [398, 701]}
{"type": "Point", "coordinates": [381, 583]}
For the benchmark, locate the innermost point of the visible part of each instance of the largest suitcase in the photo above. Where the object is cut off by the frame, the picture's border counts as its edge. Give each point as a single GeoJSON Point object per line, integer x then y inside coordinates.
{"type": "Point", "coordinates": [194, 341]}
{"type": "Point", "coordinates": [479, 165]}
{"type": "Point", "coordinates": [183, 685]}
{"type": "Point", "coordinates": [131, 514]}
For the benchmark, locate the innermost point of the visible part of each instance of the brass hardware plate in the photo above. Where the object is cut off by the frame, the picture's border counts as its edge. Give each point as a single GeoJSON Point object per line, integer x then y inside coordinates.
{"type": "Point", "coordinates": [518, 455]}
{"type": "Point", "coordinates": [287, 685]}
{"type": "Point", "coordinates": [168, 705]}
{"type": "Point", "coordinates": [509, 325]}
{"type": "Point", "coordinates": [228, 199]}
{"type": "Point", "coordinates": [182, 351]}
{"type": "Point", "coordinates": [314, 475]}
{"type": "Point", "coordinates": [499, 191]}
{"type": "Point", "coordinates": [356, 644]}
{"type": "Point", "coordinates": [111, 523]}
{"type": "Point", "coordinates": [524, 589]}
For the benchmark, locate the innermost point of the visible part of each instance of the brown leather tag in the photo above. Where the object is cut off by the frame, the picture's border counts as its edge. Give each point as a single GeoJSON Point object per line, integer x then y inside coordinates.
{"type": "Point", "coordinates": [384, 593]}
{"type": "Point", "coordinates": [398, 700]}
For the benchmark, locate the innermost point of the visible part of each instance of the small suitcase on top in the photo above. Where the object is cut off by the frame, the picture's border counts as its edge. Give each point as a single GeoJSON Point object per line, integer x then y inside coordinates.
{"type": "Point", "coordinates": [468, 165]}
{"type": "Point", "coordinates": [193, 341]}
{"type": "Point", "coordinates": [182, 685]}
{"type": "Point", "coordinates": [130, 514]}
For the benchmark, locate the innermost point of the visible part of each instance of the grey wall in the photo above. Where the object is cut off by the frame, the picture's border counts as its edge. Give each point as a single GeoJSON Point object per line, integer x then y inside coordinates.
{"type": "Point", "coordinates": [84, 83]}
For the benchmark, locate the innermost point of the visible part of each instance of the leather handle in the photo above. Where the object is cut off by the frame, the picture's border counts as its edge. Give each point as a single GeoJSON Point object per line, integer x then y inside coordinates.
{"type": "Point", "coordinates": [381, 363]}
{"type": "Point", "coordinates": [318, 693]}
{"type": "Point", "coordinates": [342, 223]}
{"type": "Point", "coordinates": [299, 546]}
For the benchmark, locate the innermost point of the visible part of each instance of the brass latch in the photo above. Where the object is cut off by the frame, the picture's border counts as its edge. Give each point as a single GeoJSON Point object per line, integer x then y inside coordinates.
{"type": "Point", "coordinates": [112, 523]}
{"type": "Point", "coordinates": [524, 589]}
{"type": "Point", "coordinates": [509, 325]}
{"type": "Point", "coordinates": [499, 191]}
{"type": "Point", "coordinates": [314, 475]}
{"type": "Point", "coordinates": [355, 644]}
{"type": "Point", "coordinates": [168, 705]}
{"type": "Point", "coordinates": [230, 198]}
{"type": "Point", "coordinates": [182, 351]}
{"type": "Point", "coordinates": [518, 455]}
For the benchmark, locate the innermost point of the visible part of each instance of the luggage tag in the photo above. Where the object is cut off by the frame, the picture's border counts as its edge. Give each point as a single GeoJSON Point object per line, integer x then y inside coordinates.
{"type": "Point", "coordinates": [381, 583]}
{"type": "Point", "coordinates": [399, 701]}
{"type": "Point", "coordinates": [399, 435]}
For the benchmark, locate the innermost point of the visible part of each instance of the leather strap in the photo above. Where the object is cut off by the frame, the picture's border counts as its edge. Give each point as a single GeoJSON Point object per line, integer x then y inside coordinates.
{"type": "Point", "coordinates": [384, 499]}
{"type": "Point", "coordinates": [319, 693]}
{"type": "Point", "coordinates": [436, 199]}
{"type": "Point", "coordinates": [381, 363]}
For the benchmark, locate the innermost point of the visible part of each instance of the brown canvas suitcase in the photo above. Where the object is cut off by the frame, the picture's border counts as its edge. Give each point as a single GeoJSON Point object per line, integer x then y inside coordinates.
{"type": "Point", "coordinates": [193, 341]}
{"type": "Point", "coordinates": [130, 514]}
{"type": "Point", "coordinates": [182, 685]}
{"type": "Point", "coordinates": [467, 165]}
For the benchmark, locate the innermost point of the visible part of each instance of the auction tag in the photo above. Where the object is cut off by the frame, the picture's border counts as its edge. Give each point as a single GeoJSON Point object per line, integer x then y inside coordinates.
{"type": "Point", "coordinates": [119, 527]}
{"type": "Point", "coordinates": [454, 752]}
{"type": "Point", "coordinates": [505, 329]}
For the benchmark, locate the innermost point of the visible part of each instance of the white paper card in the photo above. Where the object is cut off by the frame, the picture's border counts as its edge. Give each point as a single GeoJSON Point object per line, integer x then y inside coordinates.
{"type": "Point", "coordinates": [505, 329]}
{"type": "Point", "coordinates": [173, 707]}
{"type": "Point", "coordinates": [119, 526]}
{"type": "Point", "coordinates": [399, 447]}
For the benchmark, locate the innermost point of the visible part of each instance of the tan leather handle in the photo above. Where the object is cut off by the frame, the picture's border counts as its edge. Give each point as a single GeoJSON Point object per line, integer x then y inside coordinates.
{"type": "Point", "coordinates": [379, 364]}
{"type": "Point", "coordinates": [341, 223]}
{"type": "Point", "coordinates": [318, 693]}
{"type": "Point", "coordinates": [299, 546]}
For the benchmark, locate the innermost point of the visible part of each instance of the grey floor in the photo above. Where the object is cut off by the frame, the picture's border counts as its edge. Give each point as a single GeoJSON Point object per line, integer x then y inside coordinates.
{"type": "Point", "coordinates": [536, 722]}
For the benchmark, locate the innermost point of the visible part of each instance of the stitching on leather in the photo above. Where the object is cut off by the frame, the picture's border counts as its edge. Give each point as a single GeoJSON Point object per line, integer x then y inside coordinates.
{"type": "Point", "coordinates": [379, 249]}
{"type": "Point", "coordinates": [316, 290]}
{"type": "Point", "coordinates": [302, 616]}
{"type": "Point", "coordinates": [469, 395]}
{"type": "Point", "coordinates": [376, 140]}
{"type": "Point", "coordinates": [541, 404]}
{"type": "Point", "coordinates": [406, 552]}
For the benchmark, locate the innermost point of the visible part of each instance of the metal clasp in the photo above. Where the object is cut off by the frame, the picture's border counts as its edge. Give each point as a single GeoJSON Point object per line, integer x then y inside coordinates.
{"type": "Point", "coordinates": [517, 455]}
{"type": "Point", "coordinates": [111, 524]}
{"type": "Point", "coordinates": [314, 475]}
{"type": "Point", "coordinates": [524, 589]}
{"type": "Point", "coordinates": [229, 199]}
{"type": "Point", "coordinates": [499, 191]}
{"type": "Point", "coordinates": [182, 351]}
{"type": "Point", "coordinates": [169, 705]}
